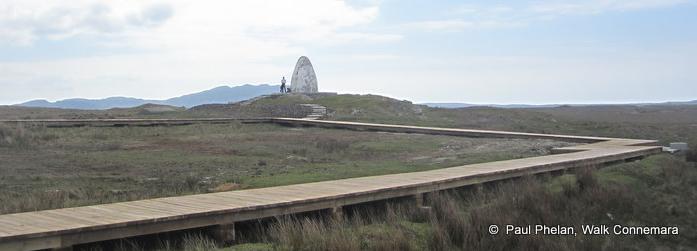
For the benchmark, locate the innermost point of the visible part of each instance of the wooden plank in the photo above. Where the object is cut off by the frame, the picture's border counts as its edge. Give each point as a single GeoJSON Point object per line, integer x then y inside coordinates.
{"type": "Point", "coordinates": [140, 213]}
{"type": "Point", "coordinates": [172, 209]}
{"type": "Point", "coordinates": [71, 218]}
{"type": "Point", "coordinates": [97, 214]}
{"type": "Point", "coordinates": [118, 211]}
{"type": "Point", "coordinates": [188, 203]}
{"type": "Point", "coordinates": [155, 206]}
{"type": "Point", "coordinates": [198, 205]}
{"type": "Point", "coordinates": [33, 220]}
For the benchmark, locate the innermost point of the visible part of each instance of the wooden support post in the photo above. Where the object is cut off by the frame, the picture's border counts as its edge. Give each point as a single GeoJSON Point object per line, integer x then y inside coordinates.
{"type": "Point", "coordinates": [419, 198]}
{"type": "Point", "coordinates": [224, 233]}
{"type": "Point", "coordinates": [337, 213]}
{"type": "Point", "coordinates": [420, 204]}
{"type": "Point", "coordinates": [479, 187]}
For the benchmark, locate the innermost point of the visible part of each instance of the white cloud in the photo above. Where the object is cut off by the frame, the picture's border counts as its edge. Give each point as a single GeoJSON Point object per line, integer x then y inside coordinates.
{"type": "Point", "coordinates": [598, 6]}
{"type": "Point", "coordinates": [455, 25]}
{"type": "Point", "coordinates": [182, 46]}
{"type": "Point", "coordinates": [443, 25]}
{"type": "Point", "coordinates": [374, 57]}
{"type": "Point", "coordinates": [471, 16]}
{"type": "Point", "coordinates": [24, 22]}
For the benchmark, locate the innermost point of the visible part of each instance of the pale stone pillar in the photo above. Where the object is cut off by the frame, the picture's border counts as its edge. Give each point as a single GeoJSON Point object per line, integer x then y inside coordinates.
{"type": "Point", "coordinates": [304, 79]}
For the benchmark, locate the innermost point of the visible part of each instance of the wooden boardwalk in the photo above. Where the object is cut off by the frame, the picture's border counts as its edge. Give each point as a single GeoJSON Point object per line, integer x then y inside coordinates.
{"type": "Point", "coordinates": [70, 226]}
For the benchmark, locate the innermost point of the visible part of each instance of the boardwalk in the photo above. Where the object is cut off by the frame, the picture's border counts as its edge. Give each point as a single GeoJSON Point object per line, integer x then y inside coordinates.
{"type": "Point", "coordinates": [70, 226]}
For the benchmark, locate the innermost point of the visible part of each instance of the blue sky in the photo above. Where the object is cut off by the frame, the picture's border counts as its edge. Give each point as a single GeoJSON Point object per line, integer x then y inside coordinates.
{"type": "Point", "coordinates": [594, 51]}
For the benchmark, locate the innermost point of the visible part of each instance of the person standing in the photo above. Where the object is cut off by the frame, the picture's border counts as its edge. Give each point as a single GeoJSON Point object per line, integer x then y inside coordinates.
{"type": "Point", "coordinates": [283, 84]}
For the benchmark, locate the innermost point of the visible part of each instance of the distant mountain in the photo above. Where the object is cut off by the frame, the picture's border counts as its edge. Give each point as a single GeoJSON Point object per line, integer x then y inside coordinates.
{"type": "Point", "coordinates": [218, 95]}
{"type": "Point", "coordinates": [693, 102]}
{"type": "Point", "coordinates": [90, 104]}
{"type": "Point", "coordinates": [223, 95]}
{"type": "Point", "coordinates": [465, 105]}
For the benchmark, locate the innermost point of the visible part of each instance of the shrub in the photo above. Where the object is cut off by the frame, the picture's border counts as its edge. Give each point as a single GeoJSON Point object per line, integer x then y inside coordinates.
{"type": "Point", "coordinates": [15, 136]}
{"type": "Point", "coordinates": [331, 145]}
{"type": "Point", "coordinates": [691, 156]}
{"type": "Point", "coordinates": [192, 182]}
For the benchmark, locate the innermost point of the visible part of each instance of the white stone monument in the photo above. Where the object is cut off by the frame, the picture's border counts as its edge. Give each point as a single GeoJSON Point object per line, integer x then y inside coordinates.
{"type": "Point", "coordinates": [304, 79]}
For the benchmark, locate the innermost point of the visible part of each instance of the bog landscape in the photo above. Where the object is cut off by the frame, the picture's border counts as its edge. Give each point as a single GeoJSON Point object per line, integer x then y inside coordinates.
{"type": "Point", "coordinates": [348, 125]}
{"type": "Point", "coordinates": [49, 165]}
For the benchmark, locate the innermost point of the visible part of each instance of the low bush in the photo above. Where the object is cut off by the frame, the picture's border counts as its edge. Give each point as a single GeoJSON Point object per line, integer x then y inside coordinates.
{"type": "Point", "coordinates": [331, 145]}
{"type": "Point", "coordinates": [15, 136]}
{"type": "Point", "coordinates": [691, 156]}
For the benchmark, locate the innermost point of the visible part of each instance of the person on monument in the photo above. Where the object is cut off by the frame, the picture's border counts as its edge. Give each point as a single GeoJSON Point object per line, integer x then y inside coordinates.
{"type": "Point", "coordinates": [283, 84]}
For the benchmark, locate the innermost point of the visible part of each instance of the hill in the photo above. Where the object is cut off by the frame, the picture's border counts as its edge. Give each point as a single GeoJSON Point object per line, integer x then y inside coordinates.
{"type": "Point", "coordinates": [667, 123]}
{"type": "Point", "coordinates": [218, 95]}
{"type": "Point", "coordinates": [89, 104]}
{"type": "Point", "coordinates": [222, 95]}
{"type": "Point", "coordinates": [466, 105]}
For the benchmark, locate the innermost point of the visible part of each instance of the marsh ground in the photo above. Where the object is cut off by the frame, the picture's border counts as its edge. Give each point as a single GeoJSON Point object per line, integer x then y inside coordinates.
{"type": "Point", "coordinates": [659, 190]}
{"type": "Point", "coordinates": [44, 168]}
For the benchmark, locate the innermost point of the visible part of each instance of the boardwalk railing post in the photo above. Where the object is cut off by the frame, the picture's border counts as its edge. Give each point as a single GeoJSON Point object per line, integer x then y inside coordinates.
{"type": "Point", "coordinates": [224, 233]}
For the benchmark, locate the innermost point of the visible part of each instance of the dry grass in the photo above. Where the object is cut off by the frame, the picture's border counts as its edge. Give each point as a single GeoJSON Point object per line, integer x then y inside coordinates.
{"type": "Point", "coordinates": [45, 168]}
{"type": "Point", "coordinates": [628, 194]}
{"type": "Point", "coordinates": [15, 136]}
{"type": "Point", "coordinates": [367, 229]}
{"type": "Point", "coordinates": [656, 191]}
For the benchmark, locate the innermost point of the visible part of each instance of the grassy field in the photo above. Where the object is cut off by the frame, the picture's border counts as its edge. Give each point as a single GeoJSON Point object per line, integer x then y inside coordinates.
{"type": "Point", "coordinates": [666, 123]}
{"type": "Point", "coordinates": [659, 190]}
{"type": "Point", "coordinates": [43, 168]}
{"type": "Point", "coordinates": [239, 110]}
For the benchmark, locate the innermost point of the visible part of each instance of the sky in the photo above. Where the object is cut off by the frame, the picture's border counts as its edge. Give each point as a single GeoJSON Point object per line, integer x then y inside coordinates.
{"type": "Point", "coordinates": [504, 52]}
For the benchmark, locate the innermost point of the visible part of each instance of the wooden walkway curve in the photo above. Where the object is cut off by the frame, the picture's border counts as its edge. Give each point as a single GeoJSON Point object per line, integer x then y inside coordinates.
{"type": "Point", "coordinates": [66, 227]}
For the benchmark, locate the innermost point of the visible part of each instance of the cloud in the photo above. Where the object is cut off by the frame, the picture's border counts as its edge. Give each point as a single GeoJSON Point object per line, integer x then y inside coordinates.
{"type": "Point", "coordinates": [174, 46]}
{"type": "Point", "coordinates": [471, 16]}
{"type": "Point", "coordinates": [598, 6]}
{"type": "Point", "coordinates": [152, 15]}
{"type": "Point", "coordinates": [24, 22]}
{"type": "Point", "coordinates": [374, 57]}
{"type": "Point", "coordinates": [455, 25]}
